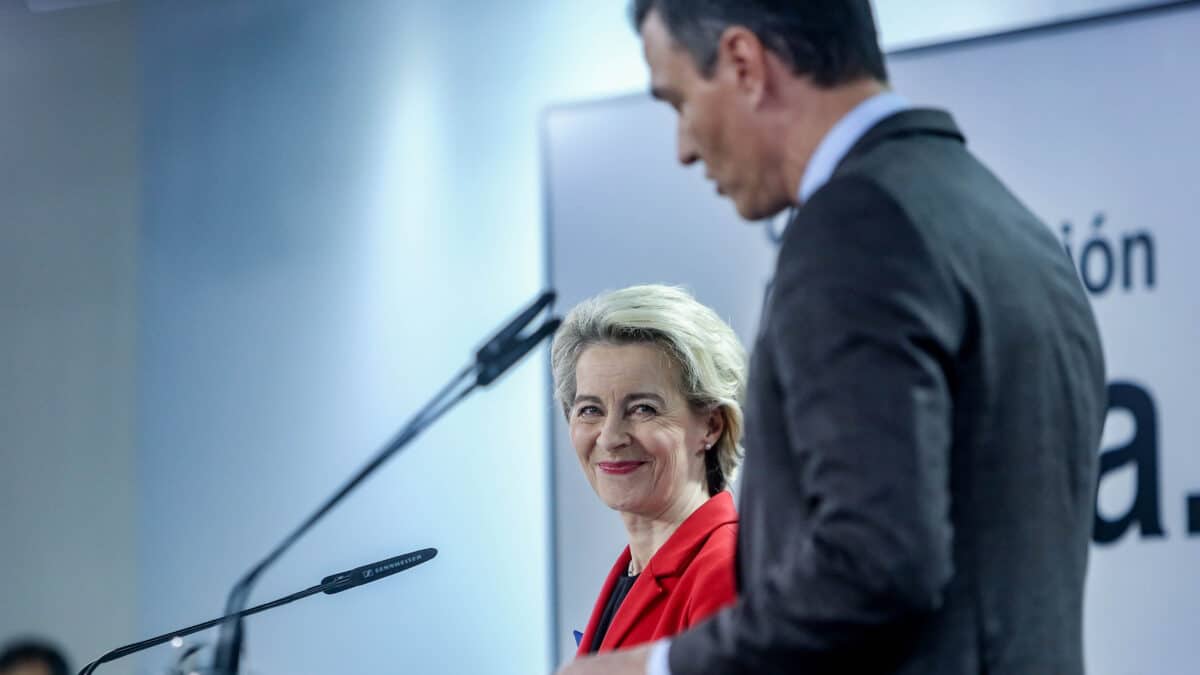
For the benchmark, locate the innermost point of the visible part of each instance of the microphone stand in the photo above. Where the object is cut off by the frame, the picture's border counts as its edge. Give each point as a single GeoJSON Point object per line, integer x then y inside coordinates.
{"type": "Point", "coordinates": [500, 352]}
{"type": "Point", "coordinates": [334, 583]}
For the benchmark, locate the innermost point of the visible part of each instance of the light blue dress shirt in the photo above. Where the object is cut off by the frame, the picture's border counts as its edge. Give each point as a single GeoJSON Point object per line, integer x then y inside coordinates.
{"type": "Point", "coordinates": [836, 144]}
{"type": "Point", "coordinates": [832, 149]}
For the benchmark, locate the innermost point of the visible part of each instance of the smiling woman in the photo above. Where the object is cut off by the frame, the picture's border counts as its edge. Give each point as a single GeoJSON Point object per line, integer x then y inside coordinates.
{"type": "Point", "coordinates": [650, 382]}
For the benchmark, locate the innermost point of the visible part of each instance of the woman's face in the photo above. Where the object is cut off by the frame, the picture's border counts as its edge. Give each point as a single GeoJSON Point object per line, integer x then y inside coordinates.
{"type": "Point", "coordinates": [639, 443]}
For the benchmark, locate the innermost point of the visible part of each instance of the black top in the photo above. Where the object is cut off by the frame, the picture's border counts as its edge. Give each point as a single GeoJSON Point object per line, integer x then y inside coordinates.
{"type": "Point", "coordinates": [619, 591]}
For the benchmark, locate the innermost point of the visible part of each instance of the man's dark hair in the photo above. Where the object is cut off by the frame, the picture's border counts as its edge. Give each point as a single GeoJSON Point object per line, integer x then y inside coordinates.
{"type": "Point", "coordinates": [26, 652]}
{"type": "Point", "coordinates": [833, 41]}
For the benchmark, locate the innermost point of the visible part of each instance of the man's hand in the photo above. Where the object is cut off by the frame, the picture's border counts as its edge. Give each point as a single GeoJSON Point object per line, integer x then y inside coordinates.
{"type": "Point", "coordinates": [624, 662]}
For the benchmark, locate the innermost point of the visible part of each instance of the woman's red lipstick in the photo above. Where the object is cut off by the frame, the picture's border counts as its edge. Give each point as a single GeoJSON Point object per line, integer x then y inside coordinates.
{"type": "Point", "coordinates": [619, 467]}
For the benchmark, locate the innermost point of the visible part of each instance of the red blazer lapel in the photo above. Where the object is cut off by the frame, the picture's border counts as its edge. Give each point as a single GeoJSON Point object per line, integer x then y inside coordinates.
{"type": "Point", "coordinates": [670, 561]}
{"type": "Point", "coordinates": [637, 607]}
{"type": "Point", "coordinates": [589, 633]}
{"type": "Point", "coordinates": [677, 553]}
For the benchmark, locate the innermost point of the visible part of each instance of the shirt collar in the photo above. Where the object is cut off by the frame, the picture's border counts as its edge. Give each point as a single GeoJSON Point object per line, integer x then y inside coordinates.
{"type": "Point", "coordinates": [842, 137]}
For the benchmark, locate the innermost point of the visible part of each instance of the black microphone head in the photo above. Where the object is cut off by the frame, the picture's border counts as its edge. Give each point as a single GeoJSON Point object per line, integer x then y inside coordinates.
{"type": "Point", "coordinates": [498, 343]}
{"type": "Point", "coordinates": [336, 583]}
{"type": "Point", "coordinates": [491, 370]}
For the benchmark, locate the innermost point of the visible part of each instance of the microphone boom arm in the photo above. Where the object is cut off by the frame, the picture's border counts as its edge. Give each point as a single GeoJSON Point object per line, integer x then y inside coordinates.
{"type": "Point", "coordinates": [497, 355]}
{"type": "Point", "coordinates": [334, 583]}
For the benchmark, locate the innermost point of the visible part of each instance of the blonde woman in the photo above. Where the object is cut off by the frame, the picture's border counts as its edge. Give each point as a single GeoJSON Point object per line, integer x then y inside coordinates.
{"type": "Point", "coordinates": [650, 381]}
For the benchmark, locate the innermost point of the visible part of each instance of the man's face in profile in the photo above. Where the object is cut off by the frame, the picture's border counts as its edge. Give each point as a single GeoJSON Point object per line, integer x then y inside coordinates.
{"type": "Point", "coordinates": [717, 124]}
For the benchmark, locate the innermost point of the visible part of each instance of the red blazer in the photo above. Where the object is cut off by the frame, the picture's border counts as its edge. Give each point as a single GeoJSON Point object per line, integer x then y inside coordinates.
{"type": "Point", "coordinates": [688, 579]}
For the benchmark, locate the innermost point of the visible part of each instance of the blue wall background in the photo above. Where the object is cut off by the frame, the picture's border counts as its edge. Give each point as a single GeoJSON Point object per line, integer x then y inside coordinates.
{"type": "Point", "coordinates": [340, 200]}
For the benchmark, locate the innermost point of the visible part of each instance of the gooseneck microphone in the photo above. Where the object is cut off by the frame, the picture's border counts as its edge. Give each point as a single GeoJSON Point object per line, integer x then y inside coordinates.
{"type": "Point", "coordinates": [499, 353]}
{"type": "Point", "coordinates": [334, 583]}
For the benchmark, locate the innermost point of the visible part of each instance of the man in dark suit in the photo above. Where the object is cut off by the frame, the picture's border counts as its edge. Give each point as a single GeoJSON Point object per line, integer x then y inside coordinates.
{"type": "Point", "coordinates": [927, 389]}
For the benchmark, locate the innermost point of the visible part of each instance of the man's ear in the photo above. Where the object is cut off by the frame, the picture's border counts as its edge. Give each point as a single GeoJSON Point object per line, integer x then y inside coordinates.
{"type": "Point", "coordinates": [742, 58]}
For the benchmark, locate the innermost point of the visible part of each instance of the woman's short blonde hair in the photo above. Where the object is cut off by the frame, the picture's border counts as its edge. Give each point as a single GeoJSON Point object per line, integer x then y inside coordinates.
{"type": "Point", "coordinates": [711, 360]}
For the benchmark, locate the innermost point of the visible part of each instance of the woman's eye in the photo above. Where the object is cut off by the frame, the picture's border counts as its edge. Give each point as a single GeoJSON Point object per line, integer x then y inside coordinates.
{"type": "Point", "coordinates": [587, 411]}
{"type": "Point", "coordinates": [643, 409]}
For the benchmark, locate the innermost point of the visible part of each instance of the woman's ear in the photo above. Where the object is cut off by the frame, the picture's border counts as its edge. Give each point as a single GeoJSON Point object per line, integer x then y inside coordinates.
{"type": "Point", "coordinates": [716, 425]}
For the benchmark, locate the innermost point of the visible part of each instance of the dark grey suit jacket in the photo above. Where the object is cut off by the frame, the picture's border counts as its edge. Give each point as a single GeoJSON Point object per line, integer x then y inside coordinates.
{"type": "Point", "coordinates": [926, 399]}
